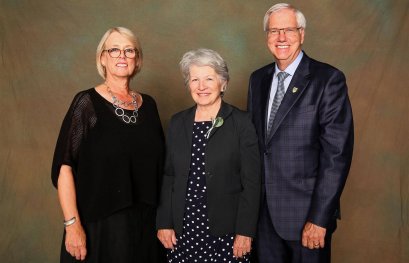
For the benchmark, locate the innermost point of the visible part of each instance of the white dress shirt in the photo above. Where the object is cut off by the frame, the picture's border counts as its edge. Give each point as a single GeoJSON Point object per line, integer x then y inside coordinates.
{"type": "Point", "coordinates": [290, 70]}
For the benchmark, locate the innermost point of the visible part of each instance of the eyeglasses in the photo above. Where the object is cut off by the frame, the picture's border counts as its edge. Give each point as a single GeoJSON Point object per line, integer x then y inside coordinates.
{"type": "Point", "coordinates": [116, 52]}
{"type": "Point", "coordinates": [288, 31]}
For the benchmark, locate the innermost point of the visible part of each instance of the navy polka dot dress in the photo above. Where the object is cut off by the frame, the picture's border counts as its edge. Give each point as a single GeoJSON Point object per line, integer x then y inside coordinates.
{"type": "Point", "coordinates": [196, 244]}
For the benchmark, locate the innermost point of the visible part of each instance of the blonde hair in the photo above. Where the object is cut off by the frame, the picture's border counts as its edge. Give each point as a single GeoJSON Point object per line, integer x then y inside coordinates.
{"type": "Point", "coordinates": [128, 35]}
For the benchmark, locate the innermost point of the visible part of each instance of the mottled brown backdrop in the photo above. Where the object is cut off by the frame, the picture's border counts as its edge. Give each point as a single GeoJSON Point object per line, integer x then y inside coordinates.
{"type": "Point", "coordinates": [47, 55]}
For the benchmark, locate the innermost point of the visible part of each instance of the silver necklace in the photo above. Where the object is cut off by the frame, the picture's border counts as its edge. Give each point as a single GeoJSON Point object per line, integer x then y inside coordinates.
{"type": "Point", "coordinates": [120, 112]}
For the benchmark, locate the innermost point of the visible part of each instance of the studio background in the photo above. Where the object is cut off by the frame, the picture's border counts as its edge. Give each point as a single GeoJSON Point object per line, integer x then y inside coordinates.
{"type": "Point", "coordinates": [47, 55]}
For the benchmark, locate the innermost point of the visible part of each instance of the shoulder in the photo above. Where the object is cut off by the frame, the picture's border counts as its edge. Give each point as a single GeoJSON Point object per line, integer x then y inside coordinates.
{"type": "Point", "coordinates": [262, 71]}
{"type": "Point", "coordinates": [82, 98]}
{"type": "Point", "coordinates": [148, 101]}
{"type": "Point", "coordinates": [147, 98]}
{"type": "Point", "coordinates": [241, 121]}
{"type": "Point", "coordinates": [237, 112]}
{"type": "Point", "coordinates": [183, 114]}
{"type": "Point", "coordinates": [83, 94]}
{"type": "Point", "coordinates": [323, 70]}
{"type": "Point", "coordinates": [179, 120]}
{"type": "Point", "coordinates": [239, 115]}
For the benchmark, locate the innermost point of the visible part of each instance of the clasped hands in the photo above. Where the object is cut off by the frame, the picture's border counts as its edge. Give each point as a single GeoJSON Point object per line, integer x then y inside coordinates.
{"type": "Point", "coordinates": [313, 236]}
{"type": "Point", "coordinates": [241, 245]}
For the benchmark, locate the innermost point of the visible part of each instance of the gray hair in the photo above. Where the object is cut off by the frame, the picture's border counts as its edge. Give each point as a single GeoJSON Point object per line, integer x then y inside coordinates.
{"type": "Point", "coordinates": [128, 35]}
{"type": "Point", "coordinates": [204, 57]}
{"type": "Point", "coordinates": [301, 21]}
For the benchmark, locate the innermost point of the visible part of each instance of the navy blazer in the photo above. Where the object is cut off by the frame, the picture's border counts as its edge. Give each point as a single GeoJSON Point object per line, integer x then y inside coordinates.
{"type": "Point", "coordinates": [307, 158]}
{"type": "Point", "coordinates": [233, 176]}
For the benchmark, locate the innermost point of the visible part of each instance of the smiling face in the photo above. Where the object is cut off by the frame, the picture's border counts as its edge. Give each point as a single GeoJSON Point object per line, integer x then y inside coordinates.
{"type": "Point", "coordinates": [285, 48]}
{"type": "Point", "coordinates": [205, 85]}
{"type": "Point", "coordinates": [120, 66]}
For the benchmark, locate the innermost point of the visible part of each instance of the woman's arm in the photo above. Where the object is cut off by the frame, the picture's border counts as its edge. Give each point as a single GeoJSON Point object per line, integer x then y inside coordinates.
{"type": "Point", "coordinates": [251, 181]}
{"type": "Point", "coordinates": [75, 240]}
{"type": "Point", "coordinates": [250, 173]}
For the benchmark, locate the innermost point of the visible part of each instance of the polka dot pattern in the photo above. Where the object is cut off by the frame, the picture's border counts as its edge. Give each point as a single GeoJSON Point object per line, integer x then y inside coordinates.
{"type": "Point", "coordinates": [196, 244]}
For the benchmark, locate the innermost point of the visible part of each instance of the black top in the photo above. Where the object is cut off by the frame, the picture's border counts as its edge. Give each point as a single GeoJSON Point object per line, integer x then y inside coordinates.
{"type": "Point", "coordinates": [115, 164]}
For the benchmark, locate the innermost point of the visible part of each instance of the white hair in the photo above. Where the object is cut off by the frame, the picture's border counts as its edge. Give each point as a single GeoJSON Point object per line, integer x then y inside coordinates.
{"type": "Point", "coordinates": [301, 21]}
{"type": "Point", "coordinates": [204, 57]}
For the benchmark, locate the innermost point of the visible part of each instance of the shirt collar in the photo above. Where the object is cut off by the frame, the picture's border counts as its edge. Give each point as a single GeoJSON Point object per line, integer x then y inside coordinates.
{"type": "Point", "coordinates": [292, 67]}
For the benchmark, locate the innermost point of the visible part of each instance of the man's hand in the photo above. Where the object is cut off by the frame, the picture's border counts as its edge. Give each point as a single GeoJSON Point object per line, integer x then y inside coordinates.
{"type": "Point", "coordinates": [313, 236]}
{"type": "Point", "coordinates": [167, 237]}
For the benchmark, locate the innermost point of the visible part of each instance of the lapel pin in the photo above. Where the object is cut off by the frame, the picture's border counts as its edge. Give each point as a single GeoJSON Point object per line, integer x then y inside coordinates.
{"type": "Point", "coordinates": [295, 89]}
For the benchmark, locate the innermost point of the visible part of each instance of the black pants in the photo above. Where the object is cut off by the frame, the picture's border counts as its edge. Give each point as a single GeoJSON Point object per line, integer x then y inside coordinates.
{"type": "Point", "coordinates": [271, 248]}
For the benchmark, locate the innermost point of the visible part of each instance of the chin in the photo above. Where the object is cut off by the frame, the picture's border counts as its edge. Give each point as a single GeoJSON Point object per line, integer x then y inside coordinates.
{"type": "Point", "coordinates": [123, 75]}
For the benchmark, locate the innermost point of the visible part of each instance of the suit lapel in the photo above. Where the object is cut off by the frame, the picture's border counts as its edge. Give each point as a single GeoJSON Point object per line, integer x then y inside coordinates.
{"type": "Point", "coordinates": [298, 84]}
{"type": "Point", "coordinates": [188, 120]}
{"type": "Point", "coordinates": [265, 88]}
{"type": "Point", "coordinates": [224, 113]}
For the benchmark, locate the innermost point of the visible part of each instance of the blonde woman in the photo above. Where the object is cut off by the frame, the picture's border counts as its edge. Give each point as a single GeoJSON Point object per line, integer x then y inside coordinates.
{"type": "Point", "coordinates": [108, 161]}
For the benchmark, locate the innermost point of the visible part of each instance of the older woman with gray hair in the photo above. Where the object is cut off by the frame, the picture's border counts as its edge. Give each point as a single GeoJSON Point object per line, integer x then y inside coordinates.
{"type": "Point", "coordinates": [211, 188]}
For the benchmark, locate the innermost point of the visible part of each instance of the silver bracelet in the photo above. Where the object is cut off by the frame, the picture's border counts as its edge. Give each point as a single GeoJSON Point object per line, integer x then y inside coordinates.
{"type": "Point", "coordinates": [70, 221]}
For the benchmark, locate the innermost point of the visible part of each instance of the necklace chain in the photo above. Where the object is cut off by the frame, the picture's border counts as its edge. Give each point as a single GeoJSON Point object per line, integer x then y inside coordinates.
{"type": "Point", "coordinates": [120, 112]}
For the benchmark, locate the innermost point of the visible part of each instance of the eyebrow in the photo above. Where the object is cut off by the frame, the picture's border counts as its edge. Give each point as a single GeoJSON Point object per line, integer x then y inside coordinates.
{"type": "Point", "coordinates": [117, 45]}
{"type": "Point", "coordinates": [215, 75]}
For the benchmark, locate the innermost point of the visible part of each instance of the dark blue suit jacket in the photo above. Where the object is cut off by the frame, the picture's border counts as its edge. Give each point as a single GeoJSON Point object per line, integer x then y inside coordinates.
{"type": "Point", "coordinates": [307, 158]}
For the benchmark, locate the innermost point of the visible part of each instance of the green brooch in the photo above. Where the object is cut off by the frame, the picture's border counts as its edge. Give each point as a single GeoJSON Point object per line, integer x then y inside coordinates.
{"type": "Point", "coordinates": [216, 123]}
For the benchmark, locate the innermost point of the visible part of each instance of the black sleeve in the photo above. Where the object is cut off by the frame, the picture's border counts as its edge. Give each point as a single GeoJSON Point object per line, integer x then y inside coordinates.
{"type": "Point", "coordinates": [164, 212]}
{"type": "Point", "coordinates": [248, 209]}
{"type": "Point", "coordinates": [77, 122]}
{"type": "Point", "coordinates": [158, 125]}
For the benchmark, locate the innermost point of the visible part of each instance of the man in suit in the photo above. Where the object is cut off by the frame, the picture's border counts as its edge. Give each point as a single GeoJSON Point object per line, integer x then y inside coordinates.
{"type": "Point", "coordinates": [303, 117]}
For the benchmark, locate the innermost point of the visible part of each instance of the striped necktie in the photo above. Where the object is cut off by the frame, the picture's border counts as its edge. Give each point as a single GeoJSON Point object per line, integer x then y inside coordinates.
{"type": "Point", "coordinates": [277, 100]}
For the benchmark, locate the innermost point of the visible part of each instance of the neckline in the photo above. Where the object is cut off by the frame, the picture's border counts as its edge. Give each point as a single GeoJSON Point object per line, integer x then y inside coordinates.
{"type": "Point", "coordinates": [110, 103]}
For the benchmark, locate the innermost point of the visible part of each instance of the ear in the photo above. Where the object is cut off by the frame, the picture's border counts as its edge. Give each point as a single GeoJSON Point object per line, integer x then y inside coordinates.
{"type": "Point", "coordinates": [302, 35]}
{"type": "Point", "coordinates": [224, 86]}
{"type": "Point", "coordinates": [103, 60]}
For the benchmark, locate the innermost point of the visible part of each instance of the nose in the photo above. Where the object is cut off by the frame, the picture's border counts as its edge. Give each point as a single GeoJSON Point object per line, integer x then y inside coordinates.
{"type": "Point", "coordinates": [202, 85]}
{"type": "Point", "coordinates": [122, 53]}
{"type": "Point", "coordinates": [281, 35]}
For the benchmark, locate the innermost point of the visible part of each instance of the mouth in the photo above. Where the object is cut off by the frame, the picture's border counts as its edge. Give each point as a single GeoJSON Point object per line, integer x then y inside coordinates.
{"type": "Point", "coordinates": [203, 94]}
{"type": "Point", "coordinates": [121, 65]}
{"type": "Point", "coordinates": [282, 46]}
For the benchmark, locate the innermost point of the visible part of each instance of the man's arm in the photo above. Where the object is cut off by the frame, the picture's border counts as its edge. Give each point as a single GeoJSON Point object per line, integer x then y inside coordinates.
{"type": "Point", "coordinates": [336, 141]}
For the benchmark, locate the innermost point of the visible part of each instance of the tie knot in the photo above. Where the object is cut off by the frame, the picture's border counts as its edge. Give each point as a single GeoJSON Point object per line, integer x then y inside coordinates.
{"type": "Point", "coordinates": [282, 75]}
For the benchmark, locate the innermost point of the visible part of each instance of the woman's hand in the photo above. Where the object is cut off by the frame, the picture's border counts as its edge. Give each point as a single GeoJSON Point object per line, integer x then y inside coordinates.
{"type": "Point", "coordinates": [241, 246]}
{"type": "Point", "coordinates": [74, 234]}
{"type": "Point", "coordinates": [75, 241]}
{"type": "Point", "coordinates": [167, 237]}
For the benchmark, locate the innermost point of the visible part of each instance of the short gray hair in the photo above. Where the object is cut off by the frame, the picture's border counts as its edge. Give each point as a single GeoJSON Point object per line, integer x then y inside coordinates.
{"type": "Point", "coordinates": [128, 34]}
{"type": "Point", "coordinates": [204, 57]}
{"type": "Point", "coordinates": [301, 21]}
